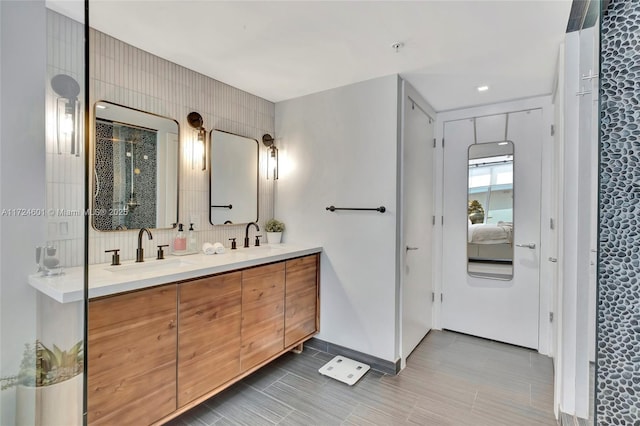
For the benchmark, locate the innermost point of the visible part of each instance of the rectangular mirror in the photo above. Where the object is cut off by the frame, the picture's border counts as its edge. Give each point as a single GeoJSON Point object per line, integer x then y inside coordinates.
{"type": "Point", "coordinates": [490, 210]}
{"type": "Point", "coordinates": [135, 169]}
{"type": "Point", "coordinates": [233, 188]}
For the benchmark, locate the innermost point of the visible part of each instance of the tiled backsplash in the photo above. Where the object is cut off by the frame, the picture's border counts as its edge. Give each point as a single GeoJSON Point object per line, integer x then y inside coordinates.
{"type": "Point", "coordinates": [64, 172]}
{"type": "Point", "coordinates": [126, 75]}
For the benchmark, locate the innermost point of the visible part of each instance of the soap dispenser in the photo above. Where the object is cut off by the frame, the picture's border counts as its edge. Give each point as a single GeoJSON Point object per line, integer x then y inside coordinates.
{"type": "Point", "coordinates": [191, 239]}
{"type": "Point", "coordinates": [180, 241]}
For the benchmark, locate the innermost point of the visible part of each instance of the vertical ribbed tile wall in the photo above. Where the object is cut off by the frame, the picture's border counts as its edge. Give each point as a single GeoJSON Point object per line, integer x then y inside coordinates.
{"type": "Point", "coordinates": [65, 172]}
{"type": "Point", "coordinates": [618, 352]}
{"type": "Point", "coordinates": [126, 75]}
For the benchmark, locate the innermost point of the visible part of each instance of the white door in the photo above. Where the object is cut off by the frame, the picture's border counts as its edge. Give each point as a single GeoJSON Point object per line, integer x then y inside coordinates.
{"type": "Point", "coordinates": [503, 310]}
{"type": "Point", "coordinates": [417, 211]}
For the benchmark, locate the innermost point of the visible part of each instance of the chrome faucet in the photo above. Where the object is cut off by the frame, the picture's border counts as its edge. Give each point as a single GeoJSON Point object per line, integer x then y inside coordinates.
{"type": "Point", "coordinates": [140, 251]}
{"type": "Point", "coordinates": [246, 233]}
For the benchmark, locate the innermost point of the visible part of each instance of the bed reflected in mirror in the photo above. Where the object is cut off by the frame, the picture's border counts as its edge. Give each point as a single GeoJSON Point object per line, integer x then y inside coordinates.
{"type": "Point", "coordinates": [490, 210]}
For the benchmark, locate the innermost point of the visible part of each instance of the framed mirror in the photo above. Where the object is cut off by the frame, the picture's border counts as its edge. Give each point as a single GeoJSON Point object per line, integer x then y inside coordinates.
{"type": "Point", "coordinates": [233, 184]}
{"type": "Point", "coordinates": [135, 169]}
{"type": "Point", "coordinates": [490, 210]}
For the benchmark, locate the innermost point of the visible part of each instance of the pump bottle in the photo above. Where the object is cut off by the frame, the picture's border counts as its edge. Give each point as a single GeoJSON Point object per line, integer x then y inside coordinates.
{"type": "Point", "coordinates": [191, 239]}
{"type": "Point", "coordinates": [180, 241]}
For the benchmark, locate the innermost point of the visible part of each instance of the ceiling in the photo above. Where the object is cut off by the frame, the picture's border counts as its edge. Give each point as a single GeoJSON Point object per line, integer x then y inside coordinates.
{"type": "Point", "coordinates": [282, 50]}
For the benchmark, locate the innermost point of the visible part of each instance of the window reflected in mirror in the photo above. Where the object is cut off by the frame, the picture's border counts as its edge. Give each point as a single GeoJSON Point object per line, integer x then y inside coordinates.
{"type": "Point", "coordinates": [490, 210]}
{"type": "Point", "coordinates": [233, 187]}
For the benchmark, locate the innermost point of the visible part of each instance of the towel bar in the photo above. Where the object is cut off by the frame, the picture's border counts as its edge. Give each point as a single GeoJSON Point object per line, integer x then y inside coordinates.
{"type": "Point", "coordinates": [380, 209]}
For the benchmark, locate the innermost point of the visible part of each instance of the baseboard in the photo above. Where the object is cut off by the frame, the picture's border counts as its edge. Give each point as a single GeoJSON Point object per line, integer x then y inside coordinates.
{"type": "Point", "coordinates": [569, 420]}
{"type": "Point", "coordinates": [378, 364]}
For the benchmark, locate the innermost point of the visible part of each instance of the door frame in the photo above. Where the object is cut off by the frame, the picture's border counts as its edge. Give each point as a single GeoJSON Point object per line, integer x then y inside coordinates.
{"type": "Point", "coordinates": [545, 104]}
{"type": "Point", "coordinates": [406, 90]}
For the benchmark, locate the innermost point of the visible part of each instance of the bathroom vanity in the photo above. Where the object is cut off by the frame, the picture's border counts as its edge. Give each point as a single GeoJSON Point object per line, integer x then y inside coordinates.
{"type": "Point", "coordinates": [164, 337]}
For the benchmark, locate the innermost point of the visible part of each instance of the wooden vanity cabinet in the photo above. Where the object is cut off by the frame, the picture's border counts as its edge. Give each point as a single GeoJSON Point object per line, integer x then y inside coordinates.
{"type": "Point", "coordinates": [209, 315]}
{"type": "Point", "coordinates": [155, 353]}
{"type": "Point", "coordinates": [301, 299]}
{"type": "Point", "coordinates": [262, 313]}
{"type": "Point", "coordinates": [131, 353]}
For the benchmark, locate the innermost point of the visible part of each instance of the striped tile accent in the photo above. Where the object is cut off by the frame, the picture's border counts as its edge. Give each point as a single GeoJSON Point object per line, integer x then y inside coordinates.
{"type": "Point", "coordinates": [64, 173]}
{"type": "Point", "coordinates": [126, 75]}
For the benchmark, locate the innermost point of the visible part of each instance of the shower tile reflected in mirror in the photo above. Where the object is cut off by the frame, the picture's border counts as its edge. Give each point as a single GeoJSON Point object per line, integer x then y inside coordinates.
{"type": "Point", "coordinates": [490, 210]}
{"type": "Point", "coordinates": [135, 169]}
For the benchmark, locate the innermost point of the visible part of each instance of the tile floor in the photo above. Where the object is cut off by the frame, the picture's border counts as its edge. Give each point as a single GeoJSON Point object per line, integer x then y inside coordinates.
{"type": "Point", "coordinates": [450, 379]}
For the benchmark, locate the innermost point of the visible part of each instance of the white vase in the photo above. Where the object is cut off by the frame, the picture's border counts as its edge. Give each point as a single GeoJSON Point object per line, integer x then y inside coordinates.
{"type": "Point", "coordinates": [59, 404]}
{"type": "Point", "coordinates": [274, 237]}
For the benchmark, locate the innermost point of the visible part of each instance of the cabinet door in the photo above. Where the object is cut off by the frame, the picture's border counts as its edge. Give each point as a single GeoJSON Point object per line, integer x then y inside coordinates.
{"type": "Point", "coordinates": [262, 313]}
{"type": "Point", "coordinates": [132, 357]}
{"type": "Point", "coordinates": [209, 315]}
{"type": "Point", "coordinates": [301, 299]}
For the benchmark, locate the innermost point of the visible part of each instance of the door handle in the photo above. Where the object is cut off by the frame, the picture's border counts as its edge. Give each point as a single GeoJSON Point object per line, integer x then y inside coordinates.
{"type": "Point", "coordinates": [529, 246]}
{"type": "Point", "coordinates": [412, 248]}
{"type": "Point", "coordinates": [553, 259]}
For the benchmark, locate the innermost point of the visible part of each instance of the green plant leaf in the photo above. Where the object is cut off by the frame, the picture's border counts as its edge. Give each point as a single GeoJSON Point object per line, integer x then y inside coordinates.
{"type": "Point", "coordinates": [41, 366]}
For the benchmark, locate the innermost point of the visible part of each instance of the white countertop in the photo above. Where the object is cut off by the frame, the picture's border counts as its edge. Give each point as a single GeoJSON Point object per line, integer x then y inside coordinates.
{"type": "Point", "coordinates": [105, 280]}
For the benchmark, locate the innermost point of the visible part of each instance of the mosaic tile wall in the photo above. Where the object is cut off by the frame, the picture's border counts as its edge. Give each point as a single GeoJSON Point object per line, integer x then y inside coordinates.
{"type": "Point", "coordinates": [142, 182]}
{"type": "Point", "coordinates": [112, 183]}
{"type": "Point", "coordinates": [618, 351]}
{"type": "Point", "coordinates": [104, 180]}
{"type": "Point", "coordinates": [125, 75]}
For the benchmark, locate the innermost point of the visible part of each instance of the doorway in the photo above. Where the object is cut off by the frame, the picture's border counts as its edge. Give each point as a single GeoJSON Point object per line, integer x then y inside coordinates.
{"type": "Point", "coordinates": [417, 223]}
{"type": "Point", "coordinates": [503, 302]}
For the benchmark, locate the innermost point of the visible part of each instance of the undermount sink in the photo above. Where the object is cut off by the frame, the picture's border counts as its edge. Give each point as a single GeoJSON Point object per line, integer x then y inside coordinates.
{"type": "Point", "coordinates": [148, 266]}
{"type": "Point", "coordinates": [265, 247]}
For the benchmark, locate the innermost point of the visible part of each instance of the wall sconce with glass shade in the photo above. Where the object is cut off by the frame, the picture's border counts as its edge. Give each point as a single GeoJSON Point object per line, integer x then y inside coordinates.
{"type": "Point", "coordinates": [272, 159]}
{"type": "Point", "coordinates": [67, 114]}
{"type": "Point", "coordinates": [199, 140]}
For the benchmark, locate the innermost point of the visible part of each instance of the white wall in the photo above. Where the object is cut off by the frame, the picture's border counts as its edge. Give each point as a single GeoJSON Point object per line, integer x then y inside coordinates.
{"type": "Point", "coordinates": [22, 176]}
{"type": "Point", "coordinates": [577, 222]}
{"type": "Point", "coordinates": [338, 147]}
{"type": "Point", "coordinates": [32, 174]}
{"type": "Point", "coordinates": [556, 240]}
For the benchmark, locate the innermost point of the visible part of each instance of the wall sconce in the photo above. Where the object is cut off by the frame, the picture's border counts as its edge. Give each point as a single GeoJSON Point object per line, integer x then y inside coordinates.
{"type": "Point", "coordinates": [67, 114]}
{"type": "Point", "coordinates": [272, 159]}
{"type": "Point", "coordinates": [199, 140]}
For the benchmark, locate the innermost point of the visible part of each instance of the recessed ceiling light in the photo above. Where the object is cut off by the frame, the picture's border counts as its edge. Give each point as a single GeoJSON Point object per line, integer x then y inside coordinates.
{"type": "Point", "coordinates": [483, 88]}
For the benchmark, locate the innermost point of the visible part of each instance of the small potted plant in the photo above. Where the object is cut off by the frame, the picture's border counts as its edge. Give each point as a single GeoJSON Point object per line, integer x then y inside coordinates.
{"type": "Point", "coordinates": [475, 212]}
{"type": "Point", "coordinates": [274, 230]}
{"type": "Point", "coordinates": [48, 385]}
